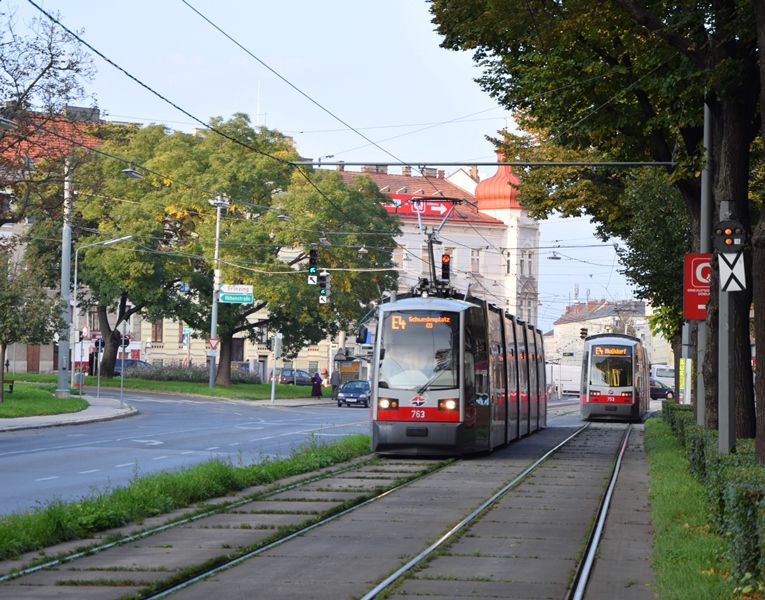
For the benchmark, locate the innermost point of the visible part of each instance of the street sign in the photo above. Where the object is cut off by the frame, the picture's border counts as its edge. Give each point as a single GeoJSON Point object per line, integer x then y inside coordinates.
{"type": "Point", "coordinates": [85, 332]}
{"type": "Point", "coordinates": [237, 298]}
{"type": "Point", "coordinates": [732, 275]}
{"type": "Point", "coordinates": [213, 343]}
{"type": "Point", "coordinates": [323, 300]}
{"type": "Point", "coordinates": [227, 288]}
{"type": "Point", "coordinates": [185, 339]}
{"type": "Point", "coordinates": [213, 353]}
{"type": "Point", "coordinates": [697, 272]}
{"type": "Point", "coordinates": [236, 294]}
{"type": "Point", "coordinates": [312, 279]}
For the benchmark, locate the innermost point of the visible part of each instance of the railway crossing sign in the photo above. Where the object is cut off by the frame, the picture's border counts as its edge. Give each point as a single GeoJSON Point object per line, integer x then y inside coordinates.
{"type": "Point", "coordinates": [732, 275]}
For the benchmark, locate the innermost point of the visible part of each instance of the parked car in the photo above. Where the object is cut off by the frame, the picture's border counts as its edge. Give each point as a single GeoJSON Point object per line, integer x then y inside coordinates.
{"type": "Point", "coordinates": [660, 390]}
{"type": "Point", "coordinates": [355, 391]}
{"type": "Point", "coordinates": [288, 376]}
{"type": "Point", "coordinates": [130, 363]}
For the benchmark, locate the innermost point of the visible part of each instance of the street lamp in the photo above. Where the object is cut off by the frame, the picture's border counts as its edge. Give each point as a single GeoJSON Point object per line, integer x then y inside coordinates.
{"type": "Point", "coordinates": [76, 264]}
{"type": "Point", "coordinates": [218, 202]}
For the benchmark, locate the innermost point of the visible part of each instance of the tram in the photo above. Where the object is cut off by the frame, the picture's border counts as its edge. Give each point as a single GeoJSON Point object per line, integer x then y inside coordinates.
{"type": "Point", "coordinates": [615, 381]}
{"type": "Point", "coordinates": [453, 376]}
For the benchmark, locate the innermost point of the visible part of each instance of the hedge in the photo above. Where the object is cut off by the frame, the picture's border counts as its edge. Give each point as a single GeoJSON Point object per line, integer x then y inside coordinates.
{"type": "Point", "coordinates": [735, 488]}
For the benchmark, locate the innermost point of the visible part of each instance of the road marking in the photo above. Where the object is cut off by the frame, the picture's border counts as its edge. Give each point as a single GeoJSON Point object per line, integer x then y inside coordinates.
{"type": "Point", "coordinates": [234, 444]}
{"type": "Point", "coordinates": [213, 448]}
{"type": "Point", "coordinates": [150, 442]}
{"type": "Point", "coordinates": [189, 452]}
{"type": "Point", "coordinates": [123, 465]}
{"type": "Point", "coordinates": [47, 478]}
{"type": "Point", "coordinates": [158, 457]}
{"type": "Point", "coordinates": [86, 472]}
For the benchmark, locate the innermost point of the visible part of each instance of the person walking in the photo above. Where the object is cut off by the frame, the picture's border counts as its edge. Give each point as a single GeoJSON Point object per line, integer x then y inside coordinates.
{"type": "Point", "coordinates": [316, 386]}
{"type": "Point", "coordinates": [334, 381]}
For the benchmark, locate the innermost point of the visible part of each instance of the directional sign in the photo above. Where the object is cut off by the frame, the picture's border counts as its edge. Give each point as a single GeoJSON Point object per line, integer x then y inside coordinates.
{"type": "Point", "coordinates": [323, 300]}
{"type": "Point", "coordinates": [732, 275]}
{"type": "Point", "coordinates": [213, 353]}
{"type": "Point", "coordinates": [312, 279]}
{"type": "Point", "coordinates": [227, 288]}
{"type": "Point", "coordinates": [237, 298]}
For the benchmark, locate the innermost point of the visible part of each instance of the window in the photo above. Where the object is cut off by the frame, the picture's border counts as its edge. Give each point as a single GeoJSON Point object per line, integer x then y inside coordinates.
{"type": "Point", "coordinates": [523, 263]}
{"type": "Point", "coordinates": [475, 260]}
{"type": "Point", "coordinates": [156, 331]}
{"type": "Point", "coordinates": [180, 332]}
{"type": "Point", "coordinates": [93, 323]}
{"type": "Point", "coordinates": [509, 268]}
{"type": "Point", "coordinates": [398, 256]}
{"type": "Point", "coordinates": [531, 272]}
{"type": "Point", "coordinates": [313, 366]}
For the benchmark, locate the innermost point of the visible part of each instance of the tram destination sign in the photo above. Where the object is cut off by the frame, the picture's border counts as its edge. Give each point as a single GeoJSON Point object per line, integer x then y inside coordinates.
{"type": "Point", "coordinates": [613, 351]}
{"type": "Point", "coordinates": [236, 294]}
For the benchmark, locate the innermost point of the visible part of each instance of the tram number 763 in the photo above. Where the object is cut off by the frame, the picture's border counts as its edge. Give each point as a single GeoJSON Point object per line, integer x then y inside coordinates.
{"type": "Point", "coordinates": [418, 414]}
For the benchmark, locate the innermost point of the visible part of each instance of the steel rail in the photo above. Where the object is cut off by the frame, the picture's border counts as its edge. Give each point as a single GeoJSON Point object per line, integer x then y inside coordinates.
{"type": "Point", "coordinates": [221, 508]}
{"type": "Point", "coordinates": [275, 543]}
{"type": "Point", "coordinates": [582, 575]}
{"type": "Point", "coordinates": [461, 525]}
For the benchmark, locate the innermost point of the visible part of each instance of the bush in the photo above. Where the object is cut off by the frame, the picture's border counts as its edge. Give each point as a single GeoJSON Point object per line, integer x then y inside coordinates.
{"type": "Point", "coordinates": [188, 373]}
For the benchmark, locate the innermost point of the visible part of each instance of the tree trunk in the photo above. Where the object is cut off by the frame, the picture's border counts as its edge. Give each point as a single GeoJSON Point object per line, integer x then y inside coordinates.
{"type": "Point", "coordinates": [223, 376]}
{"type": "Point", "coordinates": [709, 369]}
{"type": "Point", "coordinates": [2, 368]}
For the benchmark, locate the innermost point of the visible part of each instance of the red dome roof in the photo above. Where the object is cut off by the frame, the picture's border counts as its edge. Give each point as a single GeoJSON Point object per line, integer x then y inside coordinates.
{"type": "Point", "coordinates": [498, 191]}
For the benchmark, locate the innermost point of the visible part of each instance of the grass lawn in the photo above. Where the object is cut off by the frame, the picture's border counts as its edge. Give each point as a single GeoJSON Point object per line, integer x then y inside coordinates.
{"type": "Point", "coordinates": [28, 400]}
{"type": "Point", "coordinates": [242, 391]}
{"type": "Point", "coordinates": [688, 555]}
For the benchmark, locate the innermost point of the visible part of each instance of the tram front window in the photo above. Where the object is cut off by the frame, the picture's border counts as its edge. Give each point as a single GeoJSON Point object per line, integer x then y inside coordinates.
{"type": "Point", "coordinates": [421, 351]}
{"type": "Point", "coordinates": [611, 370]}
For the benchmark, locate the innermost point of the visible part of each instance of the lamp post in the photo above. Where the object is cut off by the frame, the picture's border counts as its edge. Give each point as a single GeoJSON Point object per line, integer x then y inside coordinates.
{"type": "Point", "coordinates": [76, 264]}
{"type": "Point", "coordinates": [218, 202]}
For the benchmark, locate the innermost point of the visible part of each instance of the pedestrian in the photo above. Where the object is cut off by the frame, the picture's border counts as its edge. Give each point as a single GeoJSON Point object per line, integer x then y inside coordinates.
{"type": "Point", "coordinates": [334, 381]}
{"type": "Point", "coordinates": [316, 386]}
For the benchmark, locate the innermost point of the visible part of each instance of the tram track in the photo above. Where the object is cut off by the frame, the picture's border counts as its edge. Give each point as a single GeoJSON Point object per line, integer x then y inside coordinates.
{"type": "Point", "coordinates": [350, 530]}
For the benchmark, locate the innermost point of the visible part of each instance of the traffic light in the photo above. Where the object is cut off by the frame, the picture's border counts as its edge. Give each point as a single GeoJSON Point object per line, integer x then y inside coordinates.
{"type": "Point", "coordinates": [79, 333]}
{"type": "Point", "coordinates": [99, 344]}
{"type": "Point", "coordinates": [729, 236]}
{"type": "Point", "coordinates": [446, 262]}
{"type": "Point", "coordinates": [313, 261]}
{"type": "Point", "coordinates": [583, 332]}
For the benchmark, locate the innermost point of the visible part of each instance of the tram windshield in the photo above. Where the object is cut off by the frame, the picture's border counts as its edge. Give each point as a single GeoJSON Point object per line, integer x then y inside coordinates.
{"type": "Point", "coordinates": [611, 366]}
{"type": "Point", "coordinates": [419, 351]}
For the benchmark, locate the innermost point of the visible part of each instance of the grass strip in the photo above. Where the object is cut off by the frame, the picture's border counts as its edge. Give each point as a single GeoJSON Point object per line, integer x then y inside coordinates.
{"type": "Point", "coordinates": [28, 400]}
{"type": "Point", "coordinates": [161, 493]}
{"type": "Point", "coordinates": [241, 391]}
{"type": "Point", "coordinates": [688, 556]}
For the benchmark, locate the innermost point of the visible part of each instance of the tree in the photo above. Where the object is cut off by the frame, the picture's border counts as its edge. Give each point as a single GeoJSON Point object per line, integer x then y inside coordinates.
{"type": "Point", "coordinates": [628, 82]}
{"type": "Point", "coordinates": [28, 314]}
{"type": "Point", "coordinates": [39, 75]}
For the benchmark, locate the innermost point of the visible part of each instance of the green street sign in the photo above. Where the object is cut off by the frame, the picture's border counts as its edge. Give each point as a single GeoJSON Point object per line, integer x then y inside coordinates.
{"type": "Point", "coordinates": [236, 298]}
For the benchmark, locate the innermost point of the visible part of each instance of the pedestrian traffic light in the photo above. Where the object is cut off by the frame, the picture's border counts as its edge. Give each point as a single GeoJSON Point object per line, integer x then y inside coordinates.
{"type": "Point", "coordinates": [729, 236]}
{"type": "Point", "coordinates": [446, 261]}
{"type": "Point", "coordinates": [583, 332]}
{"type": "Point", "coordinates": [313, 261]}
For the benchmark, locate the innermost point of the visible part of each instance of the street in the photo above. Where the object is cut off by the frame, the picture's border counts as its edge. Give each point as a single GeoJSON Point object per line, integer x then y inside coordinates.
{"type": "Point", "coordinates": [39, 465]}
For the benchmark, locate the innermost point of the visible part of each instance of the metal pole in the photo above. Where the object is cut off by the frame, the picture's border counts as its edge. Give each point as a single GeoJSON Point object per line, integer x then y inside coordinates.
{"type": "Point", "coordinates": [216, 286]}
{"type": "Point", "coordinates": [62, 389]}
{"type": "Point", "coordinates": [705, 248]}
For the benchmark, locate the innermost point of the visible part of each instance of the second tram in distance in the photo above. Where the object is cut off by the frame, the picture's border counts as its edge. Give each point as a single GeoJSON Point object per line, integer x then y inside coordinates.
{"type": "Point", "coordinates": [615, 381]}
{"type": "Point", "coordinates": [453, 376]}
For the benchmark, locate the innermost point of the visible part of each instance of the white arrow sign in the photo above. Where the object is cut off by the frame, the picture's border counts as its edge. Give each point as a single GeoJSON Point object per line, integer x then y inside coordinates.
{"type": "Point", "coordinates": [439, 208]}
{"type": "Point", "coordinates": [312, 280]}
{"type": "Point", "coordinates": [732, 275]}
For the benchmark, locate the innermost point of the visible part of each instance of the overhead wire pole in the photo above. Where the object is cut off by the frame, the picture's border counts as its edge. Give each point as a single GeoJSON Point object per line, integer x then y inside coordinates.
{"type": "Point", "coordinates": [705, 248]}
{"type": "Point", "coordinates": [62, 389]}
{"type": "Point", "coordinates": [219, 202]}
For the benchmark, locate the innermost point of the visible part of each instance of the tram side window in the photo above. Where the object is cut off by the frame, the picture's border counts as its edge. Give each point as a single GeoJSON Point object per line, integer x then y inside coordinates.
{"type": "Point", "coordinates": [612, 371]}
{"type": "Point", "coordinates": [475, 332]}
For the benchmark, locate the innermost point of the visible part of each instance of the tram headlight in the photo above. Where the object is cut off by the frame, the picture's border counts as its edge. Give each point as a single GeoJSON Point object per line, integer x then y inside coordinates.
{"type": "Point", "coordinates": [387, 404]}
{"type": "Point", "coordinates": [448, 404]}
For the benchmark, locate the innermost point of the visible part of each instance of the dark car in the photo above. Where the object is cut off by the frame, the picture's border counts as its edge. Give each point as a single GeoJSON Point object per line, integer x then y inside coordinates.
{"type": "Point", "coordinates": [355, 391]}
{"type": "Point", "coordinates": [130, 363]}
{"type": "Point", "coordinates": [660, 390]}
{"type": "Point", "coordinates": [289, 376]}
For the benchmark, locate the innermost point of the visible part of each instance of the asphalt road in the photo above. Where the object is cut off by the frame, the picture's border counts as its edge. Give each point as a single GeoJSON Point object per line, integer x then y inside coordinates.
{"type": "Point", "coordinates": [69, 462]}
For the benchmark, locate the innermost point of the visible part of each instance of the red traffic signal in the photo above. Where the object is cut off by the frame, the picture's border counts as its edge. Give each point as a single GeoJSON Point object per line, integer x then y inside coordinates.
{"type": "Point", "coordinates": [446, 262]}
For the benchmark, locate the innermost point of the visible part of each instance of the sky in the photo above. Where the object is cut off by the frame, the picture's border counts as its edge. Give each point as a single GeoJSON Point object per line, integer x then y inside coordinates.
{"type": "Point", "coordinates": [377, 66]}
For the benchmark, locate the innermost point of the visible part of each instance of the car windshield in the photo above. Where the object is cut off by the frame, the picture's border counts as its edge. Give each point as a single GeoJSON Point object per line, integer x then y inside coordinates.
{"type": "Point", "coordinates": [417, 350]}
{"type": "Point", "coordinates": [356, 386]}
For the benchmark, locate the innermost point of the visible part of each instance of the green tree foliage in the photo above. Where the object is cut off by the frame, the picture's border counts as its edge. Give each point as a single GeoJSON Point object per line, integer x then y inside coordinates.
{"type": "Point", "coordinates": [28, 314]}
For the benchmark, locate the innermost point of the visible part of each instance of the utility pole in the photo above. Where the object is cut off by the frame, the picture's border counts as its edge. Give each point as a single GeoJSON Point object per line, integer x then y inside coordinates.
{"type": "Point", "coordinates": [62, 389]}
{"type": "Point", "coordinates": [705, 248]}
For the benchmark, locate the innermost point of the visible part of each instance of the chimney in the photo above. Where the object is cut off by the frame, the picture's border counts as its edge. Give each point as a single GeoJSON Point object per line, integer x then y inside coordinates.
{"type": "Point", "coordinates": [382, 169]}
{"type": "Point", "coordinates": [474, 173]}
{"type": "Point", "coordinates": [406, 171]}
{"type": "Point", "coordinates": [368, 169]}
{"type": "Point", "coordinates": [441, 173]}
{"type": "Point", "coordinates": [340, 166]}
{"type": "Point", "coordinates": [429, 172]}
{"type": "Point", "coordinates": [82, 114]}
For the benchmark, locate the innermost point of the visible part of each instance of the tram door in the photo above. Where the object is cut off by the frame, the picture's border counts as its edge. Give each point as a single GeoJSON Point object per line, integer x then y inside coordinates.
{"type": "Point", "coordinates": [511, 361]}
{"type": "Point", "coordinates": [477, 409]}
{"type": "Point", "coordinates": [542, 377]}
{"type": "Point", "coordinates": [533, 379]}
{"type": "Point", "coordinates": [498, 399]}
{"type": "Point", "coordinates": [523, 377]}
